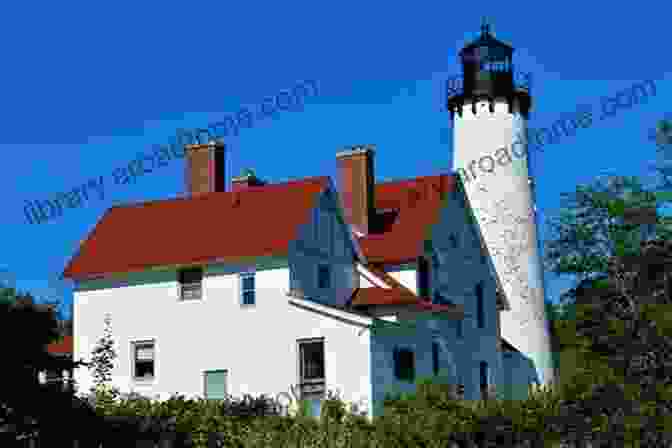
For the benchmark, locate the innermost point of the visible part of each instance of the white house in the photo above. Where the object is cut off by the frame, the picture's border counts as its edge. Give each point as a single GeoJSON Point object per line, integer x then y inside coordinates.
{"type": "Point", "coordinates": [361, 289]}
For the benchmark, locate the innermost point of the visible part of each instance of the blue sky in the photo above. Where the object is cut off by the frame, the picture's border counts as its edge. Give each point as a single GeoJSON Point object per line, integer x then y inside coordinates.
{"type": "Point", "coordinates": [86, 87]}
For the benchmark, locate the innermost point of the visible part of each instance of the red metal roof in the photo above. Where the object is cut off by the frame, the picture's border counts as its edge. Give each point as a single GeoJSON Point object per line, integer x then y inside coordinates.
{"type": "Point", "coordinates": [214, 226]}
{"type": "Point", "coordinates": [397, 294]}
{"type": "Point", "coordinates": [382, 296]}
{"type": "Point", "coordinates": [374, 296]}
{"type": "Point", "coordinates": [412, 207]}
{"type": "Point", "coordinates": [62, 347]}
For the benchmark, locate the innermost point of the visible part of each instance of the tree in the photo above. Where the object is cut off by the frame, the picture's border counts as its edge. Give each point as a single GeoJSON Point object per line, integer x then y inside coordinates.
{"type": "Point", "coordinates": [28, 328]}
{"type": "Point", "coordinates": [619, 345]}
{"type": "Point", "coordinates": [608, 217]}
{"type": "Point", "coordinates": [662, 136]}
{"type": "Point", "coordinates": [55, 297]}
{"type": "Point", "coordinates": [102, 360]}
{"type": "Point", "coordinates": [625, 317]}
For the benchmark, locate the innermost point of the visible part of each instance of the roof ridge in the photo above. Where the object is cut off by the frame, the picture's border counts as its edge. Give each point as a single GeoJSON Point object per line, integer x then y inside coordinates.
{"type": "Point", "coordinates": [207, 242]}
{"type": "Point", "coordinates": [187, 197]}
{"type": "Point", "coordinates": [415, 179]}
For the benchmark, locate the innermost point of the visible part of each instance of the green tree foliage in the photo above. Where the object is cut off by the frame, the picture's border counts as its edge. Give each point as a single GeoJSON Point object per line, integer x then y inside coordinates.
{"type": "Point", "coordinates": [102, 363]}
{"type": "Point", "coordinates": [103, 356]}
{"type": "Point", "coordinates": [28, 327]}
{"type": "Point", "coordinates": [619, 345]}
{"type": "Point", "coordinates": [662, 136]}
{"type": "Point", "coordinates": [606, 218]}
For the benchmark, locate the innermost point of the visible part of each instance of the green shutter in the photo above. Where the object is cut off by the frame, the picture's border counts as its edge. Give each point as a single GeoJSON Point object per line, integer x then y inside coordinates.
{"type": "Point", "coordinates": [215, 384]}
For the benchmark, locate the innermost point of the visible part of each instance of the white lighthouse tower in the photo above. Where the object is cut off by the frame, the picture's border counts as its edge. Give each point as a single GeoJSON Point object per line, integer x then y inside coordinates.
{"type": "Point", "coordinates": [490, 155]}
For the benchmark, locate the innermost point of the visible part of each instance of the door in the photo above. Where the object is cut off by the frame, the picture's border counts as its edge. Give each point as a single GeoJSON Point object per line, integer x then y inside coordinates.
{"type": "Point", "coordinates": [311, 372]}
{"type": "Point", "coordinates": [215, 384]}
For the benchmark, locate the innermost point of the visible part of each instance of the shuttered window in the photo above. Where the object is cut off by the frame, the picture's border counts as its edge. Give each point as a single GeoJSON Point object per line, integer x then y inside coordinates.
{"type": "Point", "coordinates": [215, 384]}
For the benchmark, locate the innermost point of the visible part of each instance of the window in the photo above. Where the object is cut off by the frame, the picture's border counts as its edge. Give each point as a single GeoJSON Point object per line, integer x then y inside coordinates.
{"type": "Point", "coordinates": [459, 324]}
{"type": "Point", "coordinates": [52, 376]}
{"type": "Point", "coordinates": [323, 276]}
{"type": "Point", "coordinates": [143, 357]}
{"type": "Point", "coordinates": [423, 277]}
{"type": "Point", "coordinates": [214, 384]}
{"type": "Point", "coordinates": [404, 364]}
{"type": "Point", "coordinates": [324, 229]}
{"type": "Point", "coordinates": [480, 316]}
{"type": "Point", "coordinates": [312, 361]}
{"type": "Point", "coordinates": [436, 259]}
{"type": "Point", "coordinates": [191, 284]}
{"type": "Point", "coordinates": [453, 241]}
{"type": "Point", "coordinates": [484, 378]}
{"type": "Point", "coordinates": [247, 291]}
{"type": "Point", "coordinates": [435, 358]}
{"type": "Point", "coordinates": [311, 369]}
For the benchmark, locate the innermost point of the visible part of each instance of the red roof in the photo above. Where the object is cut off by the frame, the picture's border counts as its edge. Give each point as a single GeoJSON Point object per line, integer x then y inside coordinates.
{"type": "Point", "coordinates": [214, 226]}
{"type": "Point", "coordinates": [62, 347]}
{"type": "Point", "coordinates": [406, 211]}
{"type": "Point", "coordinates": [397, 294]}
{"type": "Point", "coordinates": [382, 296]}
{"type": "Point", "coordinates": [374, 296]}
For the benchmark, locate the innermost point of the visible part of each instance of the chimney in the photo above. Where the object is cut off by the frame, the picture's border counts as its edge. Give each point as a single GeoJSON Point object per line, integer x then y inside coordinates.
{"type": "Point", "coordinates": [205, 168]}
{"type": "Point", "coordinates": [246, 180]}
{"type": "Point", "coordinates": [356, 183]}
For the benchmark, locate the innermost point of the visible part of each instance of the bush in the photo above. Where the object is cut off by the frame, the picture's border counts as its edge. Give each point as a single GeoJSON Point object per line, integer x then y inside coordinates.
{"type": "Point", "coordinates": [431, 416]}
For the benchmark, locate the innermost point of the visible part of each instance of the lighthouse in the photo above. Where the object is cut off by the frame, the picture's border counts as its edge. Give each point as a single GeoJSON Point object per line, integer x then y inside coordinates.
{"type": "Point", "coordinates": [490, 156]}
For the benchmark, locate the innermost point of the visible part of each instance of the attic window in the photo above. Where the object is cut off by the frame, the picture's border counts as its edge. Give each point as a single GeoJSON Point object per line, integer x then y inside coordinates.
{"type": "Point", "coordinates": [191, 284]}
{"type": "Point", "coordinates": [453, 241]}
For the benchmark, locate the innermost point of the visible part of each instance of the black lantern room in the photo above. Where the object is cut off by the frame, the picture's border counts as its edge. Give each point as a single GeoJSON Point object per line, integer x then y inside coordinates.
{"type": "Point", "coordinates": [487, 70]}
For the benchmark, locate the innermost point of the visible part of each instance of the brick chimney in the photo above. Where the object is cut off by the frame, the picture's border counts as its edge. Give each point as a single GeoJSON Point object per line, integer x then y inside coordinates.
{"type": "Point", "coordinates": [356, 183]}
{"type": "Point", "coordinates": [246, 180]}
{"type": "Point", "coordinates": [205, 168]}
